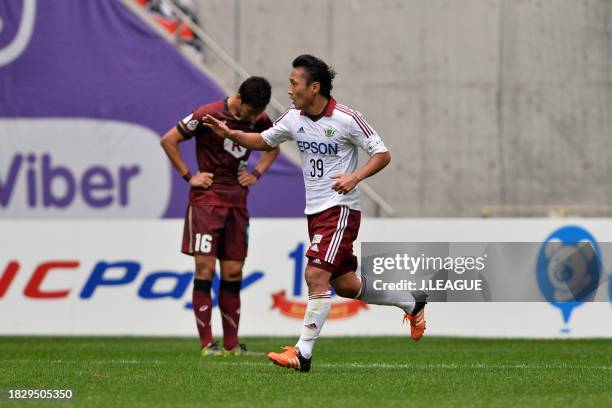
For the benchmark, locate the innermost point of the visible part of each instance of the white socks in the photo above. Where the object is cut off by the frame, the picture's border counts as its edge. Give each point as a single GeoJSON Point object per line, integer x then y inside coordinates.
{"type": "Point", "coordinates": [319, 305]}
{"type": "Point", "coordinates": [400, 298]}
{"type": "Point", "coordinates": [316, 314]}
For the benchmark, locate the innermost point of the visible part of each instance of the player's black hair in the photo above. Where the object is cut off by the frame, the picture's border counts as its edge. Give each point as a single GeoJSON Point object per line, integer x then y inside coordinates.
{"type": "Point", "coordinates": [255, 91]}
{"type": "Point", "coordinates": [316, 71]}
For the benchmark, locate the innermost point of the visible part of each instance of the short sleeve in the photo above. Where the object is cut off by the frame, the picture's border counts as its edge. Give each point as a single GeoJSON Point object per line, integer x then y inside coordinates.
{"type": "Point", "coordinates": [364, 136]}
{"type": "Point", "coordinates": [191, 125]}
{"type": "Point", "coordinates": [279, 132]}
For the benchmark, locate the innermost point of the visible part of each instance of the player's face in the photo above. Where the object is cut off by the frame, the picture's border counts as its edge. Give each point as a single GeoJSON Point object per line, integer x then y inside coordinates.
{"type": "Point", "coordinates": [247, 113]}
{"type": "Point", "coordinates": [301, 93]}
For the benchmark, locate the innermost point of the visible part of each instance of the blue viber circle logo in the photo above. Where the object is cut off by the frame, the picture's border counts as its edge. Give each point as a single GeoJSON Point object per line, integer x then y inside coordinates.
{"type": "Point", "coordinates": [568, 269]}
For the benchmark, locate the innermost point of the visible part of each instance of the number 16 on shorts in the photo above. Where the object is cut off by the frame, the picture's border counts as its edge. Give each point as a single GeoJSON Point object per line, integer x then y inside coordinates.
{"type": "Point", "coordinates": [203, 243]}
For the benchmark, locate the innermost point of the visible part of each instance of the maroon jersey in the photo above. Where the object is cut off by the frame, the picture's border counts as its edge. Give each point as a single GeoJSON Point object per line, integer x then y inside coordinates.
{"type": "Point", "coordinates": [220, 156]}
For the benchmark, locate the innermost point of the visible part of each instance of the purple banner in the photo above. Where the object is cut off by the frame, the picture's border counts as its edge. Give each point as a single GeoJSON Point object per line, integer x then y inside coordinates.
{"type": "Point", "coordinates": [96, 68]}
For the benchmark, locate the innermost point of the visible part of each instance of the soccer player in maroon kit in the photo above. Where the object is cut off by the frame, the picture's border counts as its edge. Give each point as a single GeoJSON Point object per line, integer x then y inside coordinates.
{"type": "Point", "coordinates": [217, 221]}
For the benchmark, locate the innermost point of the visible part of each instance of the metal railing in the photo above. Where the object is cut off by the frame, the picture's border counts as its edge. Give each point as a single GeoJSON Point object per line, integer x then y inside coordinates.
{"type": "Point", "coordinates": [289, 150]}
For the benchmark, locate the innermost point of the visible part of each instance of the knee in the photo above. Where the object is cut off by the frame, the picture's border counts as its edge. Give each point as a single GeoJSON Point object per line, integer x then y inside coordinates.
{"type": "Point", "coordinates": [231, 270]}
{"type": "Point", "coordinates": [233, 275]}
{"type": "Point", "coordinates": [205, 270]}
{"type": "Point", "coordinates": [317, 280]}
{"type": "Point", "coordinates": [346, 292]}
{"type": "Point", "coordinates": [313, 275]}
{"type": "Point", "coordinates": [347, 285]}
{"type": "Point", "coordinates": [204, 273]}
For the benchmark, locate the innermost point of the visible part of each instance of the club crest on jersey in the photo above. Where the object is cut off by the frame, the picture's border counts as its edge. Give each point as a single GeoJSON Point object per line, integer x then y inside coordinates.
{"type": "Point", "coordinates": [329, 132]}
{"type": "Point", "coordinates": [234, 148]}
{"type": "Point", "coordinates": [192, 125]}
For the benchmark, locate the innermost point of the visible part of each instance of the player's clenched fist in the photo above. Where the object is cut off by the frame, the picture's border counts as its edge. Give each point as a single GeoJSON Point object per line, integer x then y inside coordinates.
{"type": "Point", "coordinates": [216, 125]}
{"type": "Point", "coordinates": [201, 180]}
{"type": "Point", "coordinates": [246, 179]}
{"type": "Point", "coordinates": [344, 183]}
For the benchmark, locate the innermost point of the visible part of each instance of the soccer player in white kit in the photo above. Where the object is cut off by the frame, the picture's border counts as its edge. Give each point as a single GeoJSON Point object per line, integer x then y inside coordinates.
{"type": "Point", "coordinates": [327, 135]}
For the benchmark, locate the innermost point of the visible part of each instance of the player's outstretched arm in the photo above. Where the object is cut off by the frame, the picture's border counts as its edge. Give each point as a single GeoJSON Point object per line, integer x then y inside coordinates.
{"type": "Point", "coordinates": [251, 141]}
{"type": "Point", "coordinates": [346, 182]}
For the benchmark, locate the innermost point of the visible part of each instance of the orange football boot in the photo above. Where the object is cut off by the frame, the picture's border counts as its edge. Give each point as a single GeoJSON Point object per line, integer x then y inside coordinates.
{"type": "Point", "coordinates": [417, 324]}
{"type": "Point", "coordinates": [417, 316]}
{"type": "Point", "coordinates": [290, 358]}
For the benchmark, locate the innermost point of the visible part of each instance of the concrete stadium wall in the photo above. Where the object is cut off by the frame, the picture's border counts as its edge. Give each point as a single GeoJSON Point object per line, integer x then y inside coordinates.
{"type": "Point", "coordinates": [481, 102]}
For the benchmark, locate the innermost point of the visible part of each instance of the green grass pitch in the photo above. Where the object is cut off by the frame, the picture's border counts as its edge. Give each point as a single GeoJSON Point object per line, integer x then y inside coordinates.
{"type": "Point", "coordinates": [352, 371]}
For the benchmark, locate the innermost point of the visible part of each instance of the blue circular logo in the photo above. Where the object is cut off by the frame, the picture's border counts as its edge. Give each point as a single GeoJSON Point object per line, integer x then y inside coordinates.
{"type": "Point", "coordinates": [569, 268]}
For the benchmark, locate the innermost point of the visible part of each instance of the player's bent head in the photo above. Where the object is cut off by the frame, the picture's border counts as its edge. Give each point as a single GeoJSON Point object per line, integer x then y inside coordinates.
{"type": "Point", "coordinates": [255, 91]}
{"type": "Point", "coordinates": [316, 70]}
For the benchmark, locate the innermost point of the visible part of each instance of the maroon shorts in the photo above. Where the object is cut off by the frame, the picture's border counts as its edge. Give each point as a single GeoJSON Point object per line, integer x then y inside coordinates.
{"type": "Point", "coordinates": [332, 233]}
{"type": "Point", "coordinates": [217, 231]}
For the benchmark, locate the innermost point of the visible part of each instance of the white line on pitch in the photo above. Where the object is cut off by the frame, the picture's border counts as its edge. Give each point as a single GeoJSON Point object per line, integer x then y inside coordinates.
{"type": "Point", "coordinates": [220, 361]}
{"type": "Point", "coordinates": [85, 361]}
{"type": "Point", "coordinates": [426, 366]}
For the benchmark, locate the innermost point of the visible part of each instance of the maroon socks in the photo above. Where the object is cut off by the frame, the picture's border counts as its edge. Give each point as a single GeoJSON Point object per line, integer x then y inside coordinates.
{"type": "Point", "coordinates": [202, 308]}
{"type": "Point", "coordinates": [229, 305]}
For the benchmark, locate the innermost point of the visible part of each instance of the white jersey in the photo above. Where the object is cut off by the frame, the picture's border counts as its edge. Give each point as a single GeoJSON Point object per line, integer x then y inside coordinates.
{"type": "Point", "coordinates": [328, 146]}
